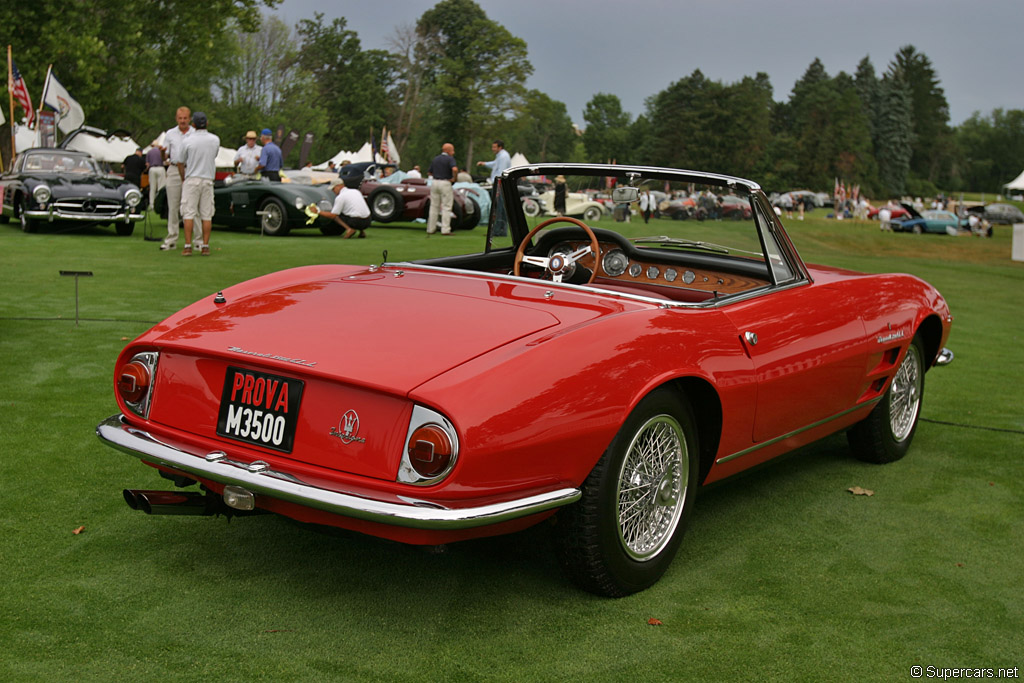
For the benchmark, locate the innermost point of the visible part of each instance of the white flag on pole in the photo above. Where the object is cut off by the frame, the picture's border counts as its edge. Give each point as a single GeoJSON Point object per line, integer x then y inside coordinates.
{"type": "Point", "coordinates": [69, 112]}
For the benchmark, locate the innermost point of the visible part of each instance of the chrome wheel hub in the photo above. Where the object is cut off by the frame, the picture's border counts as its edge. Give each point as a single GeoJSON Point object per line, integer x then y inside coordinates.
{"type": "Point", "coordinates": [652, 485]}
{"type": "Point", "coordinates": [905, 395]}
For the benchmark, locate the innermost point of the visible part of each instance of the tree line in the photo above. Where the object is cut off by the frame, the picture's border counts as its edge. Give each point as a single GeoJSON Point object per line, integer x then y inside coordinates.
{"type": "Point", "coordinates": [456, 75]}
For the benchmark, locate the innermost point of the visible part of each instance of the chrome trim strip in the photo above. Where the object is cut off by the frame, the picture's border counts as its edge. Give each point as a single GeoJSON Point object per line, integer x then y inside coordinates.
{"type": "Point", "coordinates": [777, 439]}
{"type": "Point", "coordinates": [94, 218]}
{"type": "Point", "coordinates": [140, 444]}
{"type": "Point", "coordinates": [945, 357]}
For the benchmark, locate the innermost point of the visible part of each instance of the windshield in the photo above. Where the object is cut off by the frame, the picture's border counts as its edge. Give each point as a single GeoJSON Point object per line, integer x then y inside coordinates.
{"type": "Point", "coordinates": [60, 162]}
{"type": "Point", "coordinates": [655, 228]}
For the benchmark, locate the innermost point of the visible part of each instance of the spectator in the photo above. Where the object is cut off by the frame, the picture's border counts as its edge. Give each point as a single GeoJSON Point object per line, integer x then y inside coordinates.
{"type": "Point", "coordinates": [247, 158]}
{"type": "Point", "coordinates": [561, 192]}
{"type": "Point", "coordinates": [884, 218]}
{"type": "Point", "coordinates": [443, 169]}
{"type": "Point", "coordinates": [647, 205]}
{"type": "Point", "coordinates": [198, 170]}
{"type": "Point", "coordinates": [501, 162]}
{"type": "Point", "coordinates": [156, 170]}
{"type": "Point", "coordinates": [331, 167]}
{"type": "Point", "coordinates": [350, 210]}
{"type": "Point", "coordinates": [414, 173]}
{"type": "Point", "coordinates": [134, 165]}
{"type": "Point", "coordinates": [174, 141]}
{"type": "Point", "coordinates": [270, 158]}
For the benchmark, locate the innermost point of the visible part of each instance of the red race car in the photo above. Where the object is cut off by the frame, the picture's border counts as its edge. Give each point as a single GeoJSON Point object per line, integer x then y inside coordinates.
{"type": "Point", "coordinates": [566, 370]}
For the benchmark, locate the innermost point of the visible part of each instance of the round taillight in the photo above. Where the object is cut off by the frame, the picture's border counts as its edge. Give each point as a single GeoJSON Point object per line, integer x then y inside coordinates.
{"type": "Point", "coordinates": [430, 451]}
{"type": "Point", "coordinates": [133, 381]}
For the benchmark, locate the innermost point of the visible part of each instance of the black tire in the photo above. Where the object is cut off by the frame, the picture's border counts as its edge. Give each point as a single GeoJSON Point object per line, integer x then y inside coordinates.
{"type": "Point", "coordinates": [124, 229]}
{"type": "Point", "coordinates": [470, 218]}
{"type": "Point", "coordinates": [275, 222]}
{"type": "Point", "coordinates": [531, 207]}
{"type": "Point", "coordinates": [27, 224]}
{"type": "Point", "coordinates": [592, 214]}
{"type": "Point", "coordinates": [918, 229]}
{"type": "Point", "coordinates": [4, 219]}
{"type": "Point", "coordinates": [600, 551]}
{"type": "Point", "coordinates": [885, 434]}
{"type": "Point", "coordinates": [386, 205]}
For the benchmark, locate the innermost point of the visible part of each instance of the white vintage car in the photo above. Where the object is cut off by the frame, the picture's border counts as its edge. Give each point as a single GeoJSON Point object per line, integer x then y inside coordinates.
{"type": "Point", "coordinates": [577, 204]}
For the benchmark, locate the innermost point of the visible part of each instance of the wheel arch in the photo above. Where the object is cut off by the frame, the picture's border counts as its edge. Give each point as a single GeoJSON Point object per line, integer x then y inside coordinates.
{"type": "Point", "coordinates": [930, 331]}
{"type": "Point", "coordinates": [707, 413]}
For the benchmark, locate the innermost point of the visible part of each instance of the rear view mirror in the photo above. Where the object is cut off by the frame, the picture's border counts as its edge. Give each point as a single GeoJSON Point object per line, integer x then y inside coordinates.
{"type": "Point", "coordinates": [625, 195]}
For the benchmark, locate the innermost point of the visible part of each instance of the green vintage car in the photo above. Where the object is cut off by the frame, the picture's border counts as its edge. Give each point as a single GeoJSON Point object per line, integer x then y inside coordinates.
{"type": "Point", "coordinates": [273, 208]}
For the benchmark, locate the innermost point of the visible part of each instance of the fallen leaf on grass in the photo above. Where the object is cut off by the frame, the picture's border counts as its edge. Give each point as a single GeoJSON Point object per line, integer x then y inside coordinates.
{"type": "Point", "coordinates": [858, 491]}
{"type": "Point", "coordinates": [280, 630]}
{"type": "Point", "coordinates": [654, 622]}
{"type": "Point", "coordinates": [78, 530]}
{"type": "Point", "coordinates": [124, 338]}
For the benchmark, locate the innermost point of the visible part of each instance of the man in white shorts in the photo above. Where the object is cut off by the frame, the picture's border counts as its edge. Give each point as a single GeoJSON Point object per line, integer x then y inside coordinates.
{"type": "Point", "coordinates": [197, 170]}
{"type": "Point", "coordinates": [350, 210]}
{"type": "Point", "coordinates": [174, 140]}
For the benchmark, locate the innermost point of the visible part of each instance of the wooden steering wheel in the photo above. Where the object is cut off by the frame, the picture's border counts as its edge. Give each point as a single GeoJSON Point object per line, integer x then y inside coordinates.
{"type": "Point", "coordinates": [559, 264]}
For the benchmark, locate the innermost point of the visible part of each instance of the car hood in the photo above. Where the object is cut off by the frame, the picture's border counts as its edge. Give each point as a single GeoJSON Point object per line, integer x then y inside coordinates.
{"type": "Point", "coordinates": [389, 330]}
{"type": "Point", "coordinates": [67, 185]}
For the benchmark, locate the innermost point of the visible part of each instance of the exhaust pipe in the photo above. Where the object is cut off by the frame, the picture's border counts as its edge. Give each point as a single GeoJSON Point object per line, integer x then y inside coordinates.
{"type": "Point", "coordinates": [171, 502]}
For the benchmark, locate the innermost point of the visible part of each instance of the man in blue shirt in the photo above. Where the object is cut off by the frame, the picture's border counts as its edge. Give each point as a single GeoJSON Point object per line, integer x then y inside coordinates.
{"type": "Point", "coordinates": [270, 158]}
{"type": "Point", "coordinates": [501, 162]}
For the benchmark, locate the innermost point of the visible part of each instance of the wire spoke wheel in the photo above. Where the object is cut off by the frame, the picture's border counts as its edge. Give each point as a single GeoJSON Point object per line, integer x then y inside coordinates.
{"type": "Point", "coordinates": [905, 394]}
{"type": "Point", "coordinates": [652, 485]}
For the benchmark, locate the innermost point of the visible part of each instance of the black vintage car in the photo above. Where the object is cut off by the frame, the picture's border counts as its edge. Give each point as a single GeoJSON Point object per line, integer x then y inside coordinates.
{"type": "Point", "coordinates": [59, 186]}
{"type": "Point", "coordinates": [275, 208]}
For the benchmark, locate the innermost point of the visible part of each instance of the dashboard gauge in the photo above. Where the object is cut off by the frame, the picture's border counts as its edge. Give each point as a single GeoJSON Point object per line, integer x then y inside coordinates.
{"type": "Point", "coordinates": [671, 274]}
{"type": "Point", "coordinates": [689, 277]}
{"type": "Point", "coordinates": [653, 273]}
{"type": "Point", "coordinates": [635, 269]}
{"type": "Point", "coordinates": [615, 262]}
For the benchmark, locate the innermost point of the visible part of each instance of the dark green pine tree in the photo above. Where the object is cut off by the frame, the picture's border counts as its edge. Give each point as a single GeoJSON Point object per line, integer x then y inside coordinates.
{"type": "Point", "coordinates": [895, 125]}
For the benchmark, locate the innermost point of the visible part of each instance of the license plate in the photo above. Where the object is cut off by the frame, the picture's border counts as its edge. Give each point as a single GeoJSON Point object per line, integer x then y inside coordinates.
{"type": "Point", "coordinates": [260, 408]}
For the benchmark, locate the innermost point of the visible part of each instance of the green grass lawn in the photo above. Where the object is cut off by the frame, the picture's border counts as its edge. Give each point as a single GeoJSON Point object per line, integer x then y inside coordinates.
{"type": "Point", "coordinates": [783, 575]}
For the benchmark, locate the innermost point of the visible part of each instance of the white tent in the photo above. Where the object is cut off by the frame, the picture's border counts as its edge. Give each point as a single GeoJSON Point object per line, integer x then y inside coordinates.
{"type": "Point", "coordinates": [1017, 183]}
{"type": "Point", "coordinates": [111, 149]}
{"type": "Point", "coordinates": [519, 160]}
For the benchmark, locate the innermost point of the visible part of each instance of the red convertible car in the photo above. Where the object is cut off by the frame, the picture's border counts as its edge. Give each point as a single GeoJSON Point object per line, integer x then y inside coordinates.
{"type": "Point", "coordinates": [596, 376]}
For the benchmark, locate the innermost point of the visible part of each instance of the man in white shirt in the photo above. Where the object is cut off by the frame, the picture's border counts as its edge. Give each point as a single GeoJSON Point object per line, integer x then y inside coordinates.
{"type": "Point", "coordinates": [414, 173]}
{"type": "Point", "coordinates": [174, 140]}
{"type": "Point", "coordinates": [248, 157]}
{"type": "Point", "coordinates": [197, 170]}
{"type": "Point", "coordinates": [350, 210]}
{"type": "Point", "coordinates": [884, 218]}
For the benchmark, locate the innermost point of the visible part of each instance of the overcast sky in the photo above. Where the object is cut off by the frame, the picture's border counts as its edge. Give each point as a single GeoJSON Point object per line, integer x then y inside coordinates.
{"type": "Point", "coordinates": [636, 49]}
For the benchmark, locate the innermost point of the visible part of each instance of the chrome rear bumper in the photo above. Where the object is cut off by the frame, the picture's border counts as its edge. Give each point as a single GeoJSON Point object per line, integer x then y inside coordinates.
{"type": "Point", "coordinates": [945, 357]}
{"type": "Point", "coordinates": [258, 478]}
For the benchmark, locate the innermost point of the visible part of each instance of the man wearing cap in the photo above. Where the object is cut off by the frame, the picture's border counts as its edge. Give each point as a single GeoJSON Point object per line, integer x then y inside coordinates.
{"type": "Point", "coordinates": [197, 171]}
{"type": "Point", "coordinates": [248, 157]}
{"type": "Point", "coordinates": [270, 158]}
{"type": "Point", "coordinates": [350, 210]}
{"type": "Point", "coordinates": [174, 140]}
{"type": "Point", "coordinates": [443, 169]}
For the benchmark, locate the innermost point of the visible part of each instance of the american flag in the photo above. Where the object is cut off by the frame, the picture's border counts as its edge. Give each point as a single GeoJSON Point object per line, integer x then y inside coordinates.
{"type": "Point", "coordinates": [20, 93]}
{"type": "Point", "coordinates": [384, 145]}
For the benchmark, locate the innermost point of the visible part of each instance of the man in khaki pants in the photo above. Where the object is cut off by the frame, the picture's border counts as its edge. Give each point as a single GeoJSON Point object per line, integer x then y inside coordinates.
{"type": "Point", "coordinates": [443, 169]}
{"type": "Point", "coordinates": [174, 141]}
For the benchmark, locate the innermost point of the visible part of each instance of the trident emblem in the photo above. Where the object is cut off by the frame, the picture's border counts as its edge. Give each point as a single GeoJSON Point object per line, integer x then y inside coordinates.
{"type": "Point", "coordinates": [348, 428]}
